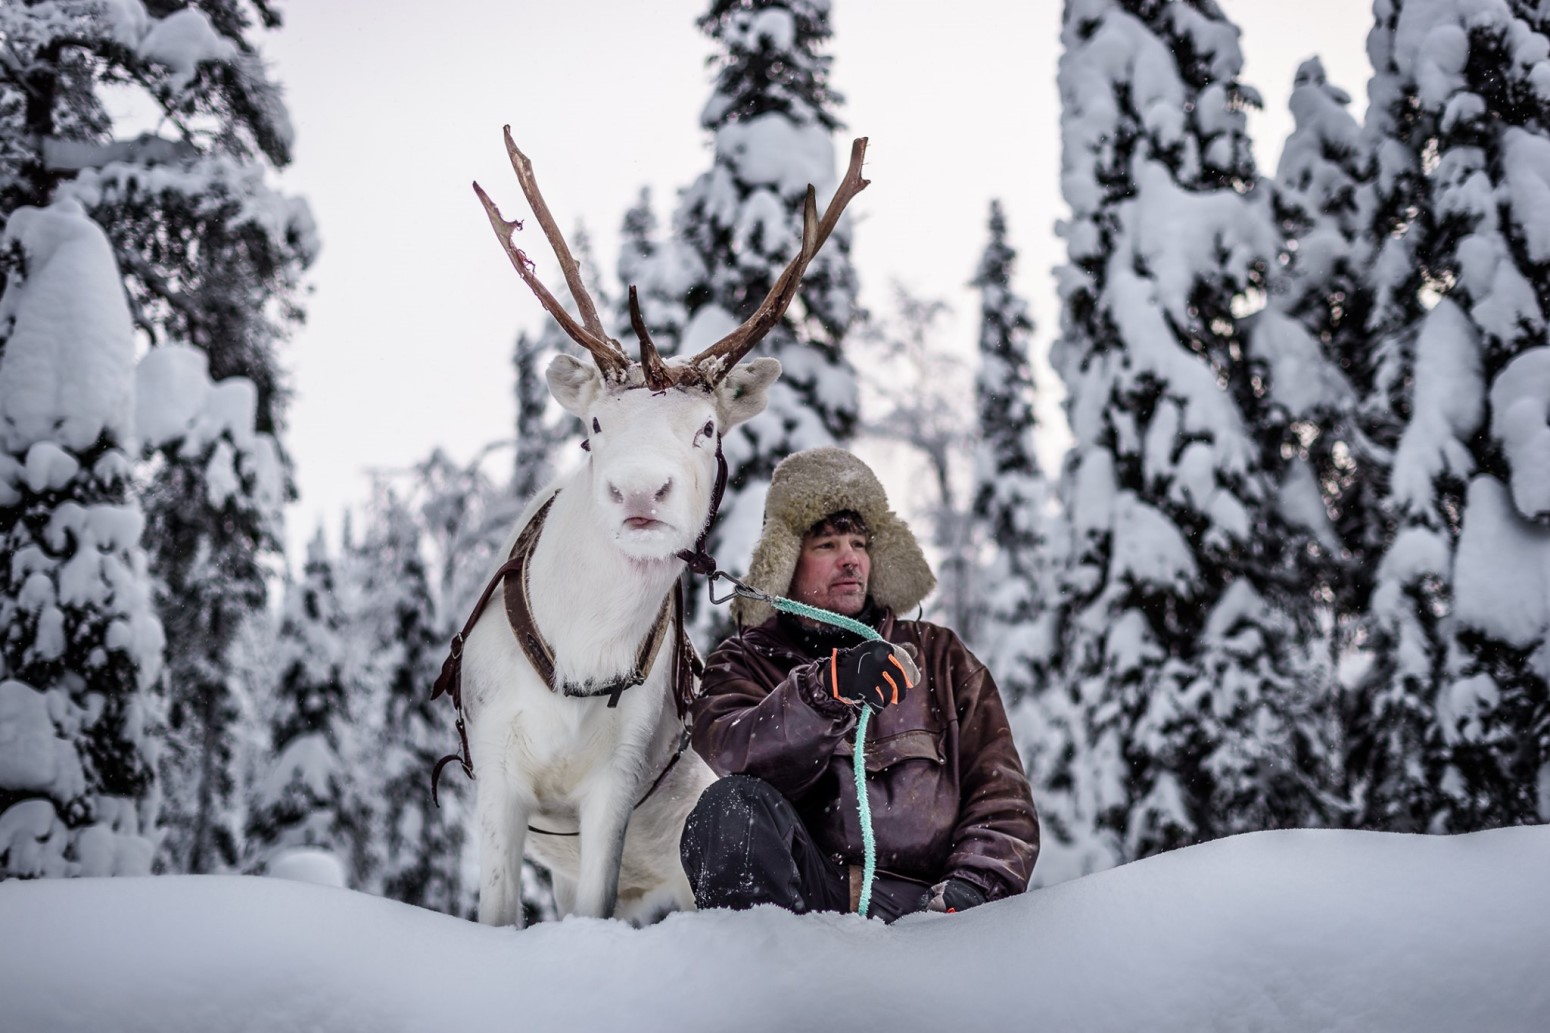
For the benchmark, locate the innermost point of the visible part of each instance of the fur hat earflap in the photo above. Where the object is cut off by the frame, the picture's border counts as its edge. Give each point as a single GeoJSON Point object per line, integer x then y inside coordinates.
{"type": "Point", "coordinates": [811, 485]}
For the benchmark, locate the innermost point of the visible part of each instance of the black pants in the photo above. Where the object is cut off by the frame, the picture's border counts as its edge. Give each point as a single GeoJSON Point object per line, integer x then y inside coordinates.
{"type": "Point", "coordinates": [744, 844]}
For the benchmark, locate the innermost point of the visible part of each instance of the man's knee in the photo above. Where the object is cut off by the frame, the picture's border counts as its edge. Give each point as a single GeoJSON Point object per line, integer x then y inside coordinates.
{"type": "Point", "coordinates": [730, 802]}
{"type": "Point", "coordinates": [737, 793]}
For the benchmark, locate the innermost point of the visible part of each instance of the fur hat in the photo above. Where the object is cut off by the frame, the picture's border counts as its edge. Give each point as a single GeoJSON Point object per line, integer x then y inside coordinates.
{"type": "Point", "coordinates": [809, 486]}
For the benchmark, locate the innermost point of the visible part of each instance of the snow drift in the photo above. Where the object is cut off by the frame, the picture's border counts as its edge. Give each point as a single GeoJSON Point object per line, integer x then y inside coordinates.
{"type": "Point", "coordinates": [1306, 930]}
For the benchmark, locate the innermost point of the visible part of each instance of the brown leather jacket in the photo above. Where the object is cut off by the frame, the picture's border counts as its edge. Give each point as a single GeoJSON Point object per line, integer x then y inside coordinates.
{"type": "Point", "coordinates": [947, 789]}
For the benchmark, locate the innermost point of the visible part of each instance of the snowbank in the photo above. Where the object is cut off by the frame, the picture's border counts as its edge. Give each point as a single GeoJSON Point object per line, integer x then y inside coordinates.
{"type": "Point", "coordinates": [1269, 931]}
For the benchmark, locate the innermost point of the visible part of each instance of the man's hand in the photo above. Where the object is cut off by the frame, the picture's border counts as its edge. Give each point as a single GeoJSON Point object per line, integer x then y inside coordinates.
{"type": "Point", "coordinates": [869, 673]}
{"type": "Point", "coordinates": [951, 895]}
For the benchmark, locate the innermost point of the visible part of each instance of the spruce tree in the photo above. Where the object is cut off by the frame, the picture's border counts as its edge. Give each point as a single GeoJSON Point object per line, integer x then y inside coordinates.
{"type": "Point", "coordinates": [665, 272]}
{"type": "Point", "coordinates": [1448, 729]}
{"type": "Point", "coordinates": [80, 648]}
{"type": "Point", "coordinates": [210, 256]}
{"type": "Point", "coordinates": [1010, 491]}
{"type": "Point", "coordinates": [1021, 543]}
{"type": "Point", "coordinates": [1471, 478]}
{"type": "Point", "coordinates": [772, 118]}
{"type": "Point", "coordinates": [417, 849]}
{"type": "Point", "coordinates": [1185, 653]}
{"type": "Point", "coordinates": [214, 498]}
{"type": "Point", "coordinates": [1393, 751]}
{"type": "Point", "coordinates": [1317, 313]}
{"type": "Point", "coordinates": [312, 795]}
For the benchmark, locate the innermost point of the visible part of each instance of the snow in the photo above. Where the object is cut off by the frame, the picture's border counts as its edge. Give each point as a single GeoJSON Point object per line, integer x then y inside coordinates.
{"type": "Point", "coordinates": [176, 403]}
{"type": "Point", "coordinates": [1501, 575]}
{"type": "Point", "coordinates": [1274, 931]}
{"type": "Point", "coordinates": [64, 369]}
{"type": "Point", "coordinates": [1449, 397]}
{"type": "Point", "coordinates": [179, 41]}
{"type": "Point", "coordinates": [1148, 547]}
{"type": "Point", "coordinates": [49, 467]}
{"type": "Point", "coordinates": [33, 759]}
{"type": "Point", "coordinates": [1300, 377]}
{"type": "Point", "coordinates": [1526, 180]}
{"type": "Point", "coordinates": [308, 864]}
{"type": "Point", "coordinates": [1520, 420]}
{"type": "Point", "coordinates": [286, 222]}
{"type": "Point", "coordinates": [771, 150]}
{"type": "Point", "coordinates": [1302, 505]}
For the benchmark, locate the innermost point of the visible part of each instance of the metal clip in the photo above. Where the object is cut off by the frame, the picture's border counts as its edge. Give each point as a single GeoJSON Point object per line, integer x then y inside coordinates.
{"type": "Point", "coordinates": [739, 588]}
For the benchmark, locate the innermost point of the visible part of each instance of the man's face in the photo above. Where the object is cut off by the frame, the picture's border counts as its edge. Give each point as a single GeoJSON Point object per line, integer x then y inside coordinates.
{"type": "Point", "coordinates": [832, 571]}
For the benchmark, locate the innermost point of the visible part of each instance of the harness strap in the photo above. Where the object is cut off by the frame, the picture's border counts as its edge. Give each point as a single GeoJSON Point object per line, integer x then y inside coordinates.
{"type": "Point", "coordinates": [450, 682]}
{"type": "Point", "coordinates": [519, 613]}
{"type": "Point", "coordinates": [699, 561]}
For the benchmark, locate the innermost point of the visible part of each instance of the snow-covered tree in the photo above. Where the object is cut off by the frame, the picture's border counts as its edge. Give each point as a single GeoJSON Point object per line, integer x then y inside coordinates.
{"type": "Point", "coordinates": [665, 272]}
{"type": "Point", "coordinates": [80, 647]}
{"type": "Point", "coordinates": [1185, 654]}
{"type": "Point", "coordinates": [314, 793]}
{"type": "Point", "coordinates": [215, 491]}
{"type": "Point", "coordinates": [1012, 626]}
{"type": "Point", "coordinates": [417, 849]}
{"type": "Point", "coordinates": [917, 397]}
{"type": "Point", "coordinates": [772, 118]}
{"type": "Point", "coordinates": [1471, 474]}
{"type": "Point", "coordinates": [1392, 741]}
{"type": "Point", "coordinates": [1322, 362]}
{"type": "Point", "coordinates": [210, 256]}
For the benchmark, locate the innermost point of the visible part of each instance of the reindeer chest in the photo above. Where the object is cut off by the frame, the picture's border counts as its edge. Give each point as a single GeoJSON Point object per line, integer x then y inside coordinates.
{"type": "Point", "coordinates": [552, 744]}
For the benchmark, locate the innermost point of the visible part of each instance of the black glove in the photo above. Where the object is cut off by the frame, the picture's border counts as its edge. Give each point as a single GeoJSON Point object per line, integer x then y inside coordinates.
{"type": "Point", "coordinates": [868, 673]}
{"type": "Point", "coordinates": [952, 895]}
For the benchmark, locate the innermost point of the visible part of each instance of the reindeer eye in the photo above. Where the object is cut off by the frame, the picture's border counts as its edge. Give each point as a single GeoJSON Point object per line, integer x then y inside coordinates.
{"type": "Point", "coordinates": [595, 428]}
{"type": "Point", "coordinates": [709, 430]}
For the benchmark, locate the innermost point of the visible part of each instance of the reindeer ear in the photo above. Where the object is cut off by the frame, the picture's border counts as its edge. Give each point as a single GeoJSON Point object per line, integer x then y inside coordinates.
{"type": "Point", "coordinates": [574, 384]}
{"type": "Point", "coordinates": [741, 394]}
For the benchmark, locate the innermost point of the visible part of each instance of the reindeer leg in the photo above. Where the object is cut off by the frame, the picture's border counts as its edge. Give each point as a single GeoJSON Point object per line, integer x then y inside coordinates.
{"type": "Point", "coordinates": [605, 816]}
{"type": "Point", "coordinates": [503, 820]}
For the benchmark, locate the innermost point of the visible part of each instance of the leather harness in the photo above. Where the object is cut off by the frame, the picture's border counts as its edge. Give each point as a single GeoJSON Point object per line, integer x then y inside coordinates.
{"type": "Point", "coordinates": [519, 613]}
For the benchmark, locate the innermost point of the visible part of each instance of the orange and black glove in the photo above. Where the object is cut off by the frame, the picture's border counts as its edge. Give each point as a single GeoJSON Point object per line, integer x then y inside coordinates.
{"type": "Point", "coordinates": [868, 673]}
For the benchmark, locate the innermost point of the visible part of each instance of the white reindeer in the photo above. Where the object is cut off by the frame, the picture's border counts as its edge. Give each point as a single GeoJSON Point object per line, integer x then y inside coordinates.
{"type": "Point", "coordinates": [612, 546]}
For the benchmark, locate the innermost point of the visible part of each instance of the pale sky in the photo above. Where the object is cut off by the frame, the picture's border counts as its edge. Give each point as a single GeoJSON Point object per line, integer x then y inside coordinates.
{"type": "Point", "coordinates": [398, 105]}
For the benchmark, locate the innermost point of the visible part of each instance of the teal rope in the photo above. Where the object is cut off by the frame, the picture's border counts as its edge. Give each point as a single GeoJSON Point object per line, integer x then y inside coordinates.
{"type": "Point", "coordinates": [863, 805]}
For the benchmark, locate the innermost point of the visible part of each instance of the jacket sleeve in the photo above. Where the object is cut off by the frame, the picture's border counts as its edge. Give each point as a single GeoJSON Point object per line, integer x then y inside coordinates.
{"type": "Point", "coordinates": [996, 839]}
{"type": "Point", "coordinates": [747, 723]}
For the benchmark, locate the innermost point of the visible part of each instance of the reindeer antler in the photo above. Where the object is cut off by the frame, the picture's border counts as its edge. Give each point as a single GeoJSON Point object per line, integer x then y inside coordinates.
{"type": "Point", "coordinates": [658, 376]}
{"type": "Point", "coordinates": [717, 361]}
{"type": "Point", "coordinates": [606, 352]}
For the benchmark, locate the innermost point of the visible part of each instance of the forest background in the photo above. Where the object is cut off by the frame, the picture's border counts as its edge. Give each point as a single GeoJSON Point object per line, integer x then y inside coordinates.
{"type": "Point", "coordinates": [1279, 559]}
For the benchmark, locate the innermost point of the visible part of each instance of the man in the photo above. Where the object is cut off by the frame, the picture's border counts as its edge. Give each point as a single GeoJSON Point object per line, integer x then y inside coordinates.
{"type": "Point", "coordinates": [951, 808]}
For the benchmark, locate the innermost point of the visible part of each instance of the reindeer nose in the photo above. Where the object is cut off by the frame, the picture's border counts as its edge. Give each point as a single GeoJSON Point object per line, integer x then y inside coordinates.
{"type": "Point", "coordinates": [635, 493]}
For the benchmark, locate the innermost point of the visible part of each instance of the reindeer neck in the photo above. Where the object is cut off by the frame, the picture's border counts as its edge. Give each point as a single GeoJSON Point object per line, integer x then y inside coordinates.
{"type": "Point", "coordinates": [592, 603]}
